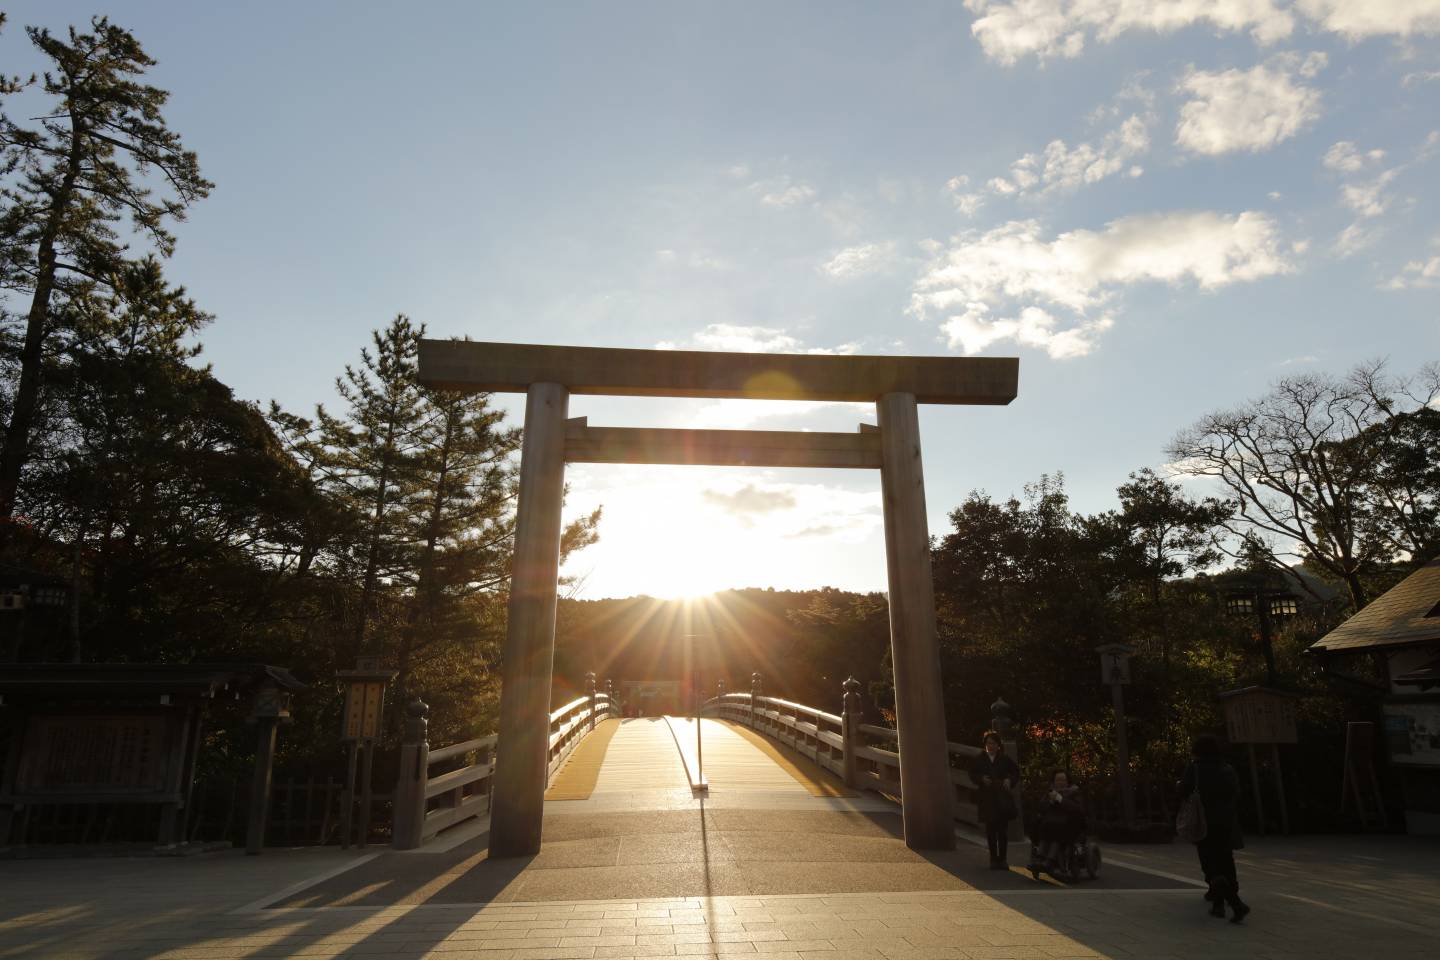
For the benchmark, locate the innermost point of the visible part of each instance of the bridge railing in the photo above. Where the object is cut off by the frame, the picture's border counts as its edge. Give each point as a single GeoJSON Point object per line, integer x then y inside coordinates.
{"type": "Point", "coordinates": [427, 803]}
{"type": "Point", "coordinates": [864, 755]}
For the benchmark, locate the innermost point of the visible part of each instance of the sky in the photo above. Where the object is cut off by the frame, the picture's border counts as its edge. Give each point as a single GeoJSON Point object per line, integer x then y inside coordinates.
{"type": "Point", "coordinates": [1160, 206]}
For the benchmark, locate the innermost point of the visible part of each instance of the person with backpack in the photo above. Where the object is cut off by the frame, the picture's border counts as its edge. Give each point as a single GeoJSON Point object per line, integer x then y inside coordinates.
{"type": "Point", "coordinates": [1216, 831]}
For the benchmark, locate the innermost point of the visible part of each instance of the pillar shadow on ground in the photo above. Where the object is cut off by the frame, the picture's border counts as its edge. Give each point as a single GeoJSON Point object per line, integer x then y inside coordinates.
{"type": "Point", "coordinates": [687, 853]}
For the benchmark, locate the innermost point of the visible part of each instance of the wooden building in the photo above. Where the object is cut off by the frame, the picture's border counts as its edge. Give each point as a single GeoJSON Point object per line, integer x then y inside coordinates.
{"type": "Point", "coordinates": [102, 734]}
{"type": "Point", "coordinates": [1401, 630]}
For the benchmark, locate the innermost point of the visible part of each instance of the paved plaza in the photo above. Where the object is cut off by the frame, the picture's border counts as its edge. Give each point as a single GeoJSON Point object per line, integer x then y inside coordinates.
{"type": "Point", "coordinates": [635, 865]}
{"type": "Point", "coordinates": [1346, 897]}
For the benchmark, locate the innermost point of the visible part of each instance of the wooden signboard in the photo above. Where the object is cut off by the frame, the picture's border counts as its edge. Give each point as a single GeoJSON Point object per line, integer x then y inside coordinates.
{"type": "Point", "coordinates": [364, 705]}
{"type": "Point", "coordinates": [96, 755]}
{"type": "Point", "coordinates": [1259, 715]}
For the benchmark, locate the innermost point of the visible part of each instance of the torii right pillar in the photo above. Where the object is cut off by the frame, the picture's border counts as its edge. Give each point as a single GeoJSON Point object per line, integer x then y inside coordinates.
{"type": "Point", "coordinates": [926, 794]}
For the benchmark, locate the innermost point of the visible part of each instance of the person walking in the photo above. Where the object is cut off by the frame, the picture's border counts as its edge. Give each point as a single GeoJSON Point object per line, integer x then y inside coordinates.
{"type": "Point", "coordinates": [994, 775]}
{"type": "Point", "coordinates": [1219, 788]}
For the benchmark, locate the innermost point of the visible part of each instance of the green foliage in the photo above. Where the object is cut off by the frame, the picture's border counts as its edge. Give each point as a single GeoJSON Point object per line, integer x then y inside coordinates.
{"type": "Point", "coordinates": [70, 186]}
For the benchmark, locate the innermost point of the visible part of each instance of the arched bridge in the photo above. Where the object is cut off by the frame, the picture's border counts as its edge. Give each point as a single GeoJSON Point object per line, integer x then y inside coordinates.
{"type": "Point", "coordinates": [749, 750]}
{"type": "Point", "coordinates": [772, 798]}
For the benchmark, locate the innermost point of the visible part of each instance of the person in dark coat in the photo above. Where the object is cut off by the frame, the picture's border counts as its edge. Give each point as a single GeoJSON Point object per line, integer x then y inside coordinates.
{"type": "Point", "coordinates": [995, 775]}
{"type": "Point", "coordinates": [1219, 788]}
{"type": "Point", "coordinates": [1062, 818]}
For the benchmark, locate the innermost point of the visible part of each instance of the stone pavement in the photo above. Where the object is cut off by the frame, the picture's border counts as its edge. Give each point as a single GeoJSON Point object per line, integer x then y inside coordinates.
{"type": "Point", "coordinates": [643, 868]}
{"type": "Point", "coordinates": [1314, 898]}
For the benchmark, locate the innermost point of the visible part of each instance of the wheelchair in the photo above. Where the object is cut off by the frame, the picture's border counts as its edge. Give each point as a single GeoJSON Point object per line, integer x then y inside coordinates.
{"type": "Point", "coordinates": [1079, 859]}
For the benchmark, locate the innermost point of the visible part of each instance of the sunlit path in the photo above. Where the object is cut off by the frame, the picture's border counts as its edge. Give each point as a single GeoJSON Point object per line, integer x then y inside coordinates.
{"type": "Point", "coordinates": [642, 756]}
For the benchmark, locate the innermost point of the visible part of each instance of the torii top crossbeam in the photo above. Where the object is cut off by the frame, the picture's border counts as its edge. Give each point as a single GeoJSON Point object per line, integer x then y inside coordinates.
{"type": "Point", "coordinates": [513, 367]}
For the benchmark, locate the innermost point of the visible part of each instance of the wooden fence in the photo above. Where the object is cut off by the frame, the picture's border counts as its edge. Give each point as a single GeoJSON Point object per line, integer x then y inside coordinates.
{"type": "Point", "coordinates": [865, 756]}
{"type": "Point", "coordinates": [426, 803]}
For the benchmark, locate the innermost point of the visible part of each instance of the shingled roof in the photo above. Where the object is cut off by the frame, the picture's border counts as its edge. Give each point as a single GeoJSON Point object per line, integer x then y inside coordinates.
{"type": "Point", "coordinates": [1405, 615]}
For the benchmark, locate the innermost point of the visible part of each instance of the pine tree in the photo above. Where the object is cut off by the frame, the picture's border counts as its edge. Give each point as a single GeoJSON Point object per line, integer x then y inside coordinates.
{"type": "Point", "coordinates": [369, 461]}
{"type": "Point", "coordinates": [462, 525]}
{"type": "Point", "coordinates": [68, 185]}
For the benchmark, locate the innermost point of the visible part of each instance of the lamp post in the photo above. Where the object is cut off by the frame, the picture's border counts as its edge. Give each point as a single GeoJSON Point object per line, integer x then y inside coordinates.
{"type": "Point", "coordinates": [1115, 670]}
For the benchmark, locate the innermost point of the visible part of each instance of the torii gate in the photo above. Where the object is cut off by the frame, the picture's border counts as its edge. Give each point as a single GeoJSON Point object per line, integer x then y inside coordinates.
{"type": "Point", "coordinates": [548, 375]}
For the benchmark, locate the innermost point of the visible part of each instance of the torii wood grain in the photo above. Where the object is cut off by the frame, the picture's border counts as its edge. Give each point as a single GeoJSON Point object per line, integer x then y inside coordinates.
{"type": "Point", "coordinates": [512, 367]}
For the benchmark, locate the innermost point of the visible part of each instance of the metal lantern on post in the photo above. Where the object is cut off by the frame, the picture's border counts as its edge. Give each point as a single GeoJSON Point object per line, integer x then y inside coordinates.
{"type": "Point", "coordinates": [1259, 597]}
{"type": "Point", "coordinates": [1115, 671]}
{"type": "Point", "coordinates": [361, 725]}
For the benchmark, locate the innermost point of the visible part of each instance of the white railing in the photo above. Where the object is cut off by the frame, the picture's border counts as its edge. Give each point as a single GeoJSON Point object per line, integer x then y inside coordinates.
{"type": "Point", "coordinates": [864, 755]}
{"type": "Point", "coordinates": [426, 804]}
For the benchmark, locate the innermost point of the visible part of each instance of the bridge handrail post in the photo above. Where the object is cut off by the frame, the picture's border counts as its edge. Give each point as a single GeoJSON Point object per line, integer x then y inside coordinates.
{"type": "Point", "coordinates": [850, 719]}
{"type": "Point", "coordinates": [408, 830]}
{"type": "Point", "coordinates": [590, 691]}
{"type": "Point", "coordinates": [755, 688]}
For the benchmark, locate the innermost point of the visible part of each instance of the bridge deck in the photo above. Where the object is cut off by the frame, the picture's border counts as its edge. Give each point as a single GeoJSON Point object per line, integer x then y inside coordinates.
{"type": "Point", "coordinates": [769, 824]}
{"type": "Point", "coordinates": [641, 764]}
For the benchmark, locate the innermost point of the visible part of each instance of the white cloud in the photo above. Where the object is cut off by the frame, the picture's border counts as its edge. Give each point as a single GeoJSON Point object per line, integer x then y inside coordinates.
{"type": "Point", "coordinates": [1060, 167]}
{"type": "Point", "coordinates": [750, 339]}
{"type": "Point", "coordinates": [783, 192]}
{"type": "Point", "coordinates": [966, 201]}
{"type": "Point", "coordinates": [1368, 199]}
{"type": "Point", "coordinates": [796, 509]}
{"type": "Point", "coordinates": [1247, 109]}
{"type": "Point", "coordinates": [741, 339]}
{"type": "Point", "coordinates": [1416, 273]}
{"type": "Point", "coordinates": [1345, 157]}
{"type": "Point", "coordinates": [749, 499]}
{"type": "Point", "coordinates": [972, 331]}
{"type": "Point", "coordinates": [1013, 267]}
{"type": "Point", "coordinates": [1419, 77]}
{"type": "Point", "coordinates": [859, 261]}
{"type": "Point", "coordinates": [739, 414]}
{"type": "Point", "coordinates": [1356, 19]}
{"type": "Point", "coordinates": [1009, 30]}
{"type": "Point", "coordinates": [1355, 238]}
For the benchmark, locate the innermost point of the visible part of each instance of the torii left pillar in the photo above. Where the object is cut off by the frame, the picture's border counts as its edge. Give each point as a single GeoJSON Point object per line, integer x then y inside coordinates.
{"type": "Point", "coordinates": [522, 753]}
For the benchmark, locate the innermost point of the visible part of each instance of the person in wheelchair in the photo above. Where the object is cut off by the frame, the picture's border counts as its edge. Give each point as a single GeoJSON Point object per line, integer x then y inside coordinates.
{"type": "Point", "coordinates": [1060, 823]}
